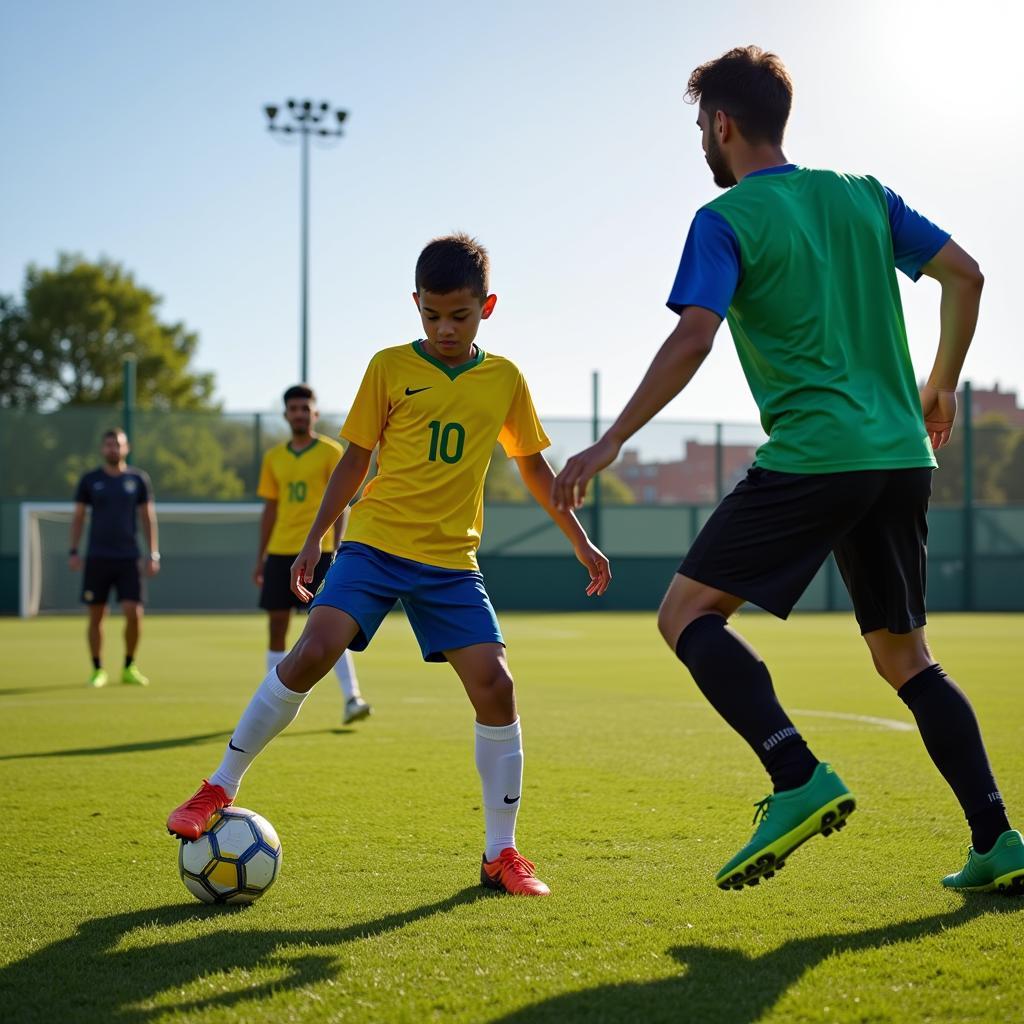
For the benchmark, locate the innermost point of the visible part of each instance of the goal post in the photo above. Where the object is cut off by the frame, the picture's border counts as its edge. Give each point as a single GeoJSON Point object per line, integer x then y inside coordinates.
{"type": "Point", "coordinates": [208, 550]}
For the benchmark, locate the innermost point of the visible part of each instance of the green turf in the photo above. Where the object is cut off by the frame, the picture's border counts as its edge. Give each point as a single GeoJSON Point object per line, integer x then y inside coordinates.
{"type": "Point", "coordinates": [635, 795]}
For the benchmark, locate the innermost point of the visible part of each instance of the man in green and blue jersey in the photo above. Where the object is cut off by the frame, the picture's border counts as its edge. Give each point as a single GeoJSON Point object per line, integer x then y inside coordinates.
{"type": "Point", "coordinates": [802, 265]}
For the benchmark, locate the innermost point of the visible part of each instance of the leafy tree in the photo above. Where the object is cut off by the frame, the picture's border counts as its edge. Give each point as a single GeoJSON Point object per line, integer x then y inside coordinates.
{"type": "Point", "coordinates": [993, 443]}
{"type": "Point", "coordinates": [65, 343]}
{"type": "Point", "coordinates": [1011, 477]}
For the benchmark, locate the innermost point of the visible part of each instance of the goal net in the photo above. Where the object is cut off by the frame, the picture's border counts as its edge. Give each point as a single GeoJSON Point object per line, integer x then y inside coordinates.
{"type": "Point", "coordinates": [208, 551]}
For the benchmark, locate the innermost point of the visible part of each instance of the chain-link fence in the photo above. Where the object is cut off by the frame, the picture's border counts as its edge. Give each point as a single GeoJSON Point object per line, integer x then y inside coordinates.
{"type": "Point", "coordinates": [645, 511]}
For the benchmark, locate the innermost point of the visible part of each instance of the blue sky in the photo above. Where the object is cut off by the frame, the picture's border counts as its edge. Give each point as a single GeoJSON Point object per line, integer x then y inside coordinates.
{"type": "Point", "coordinates": [554, 131]}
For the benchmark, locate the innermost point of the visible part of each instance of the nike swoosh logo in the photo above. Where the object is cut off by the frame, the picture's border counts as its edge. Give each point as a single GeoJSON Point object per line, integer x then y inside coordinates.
{"type": "Point", "coordinates": [416, 391]}
{"type": "Point", "coordinates": [233, 747]}
{"type": "Point", "coordinates": [508, 801]}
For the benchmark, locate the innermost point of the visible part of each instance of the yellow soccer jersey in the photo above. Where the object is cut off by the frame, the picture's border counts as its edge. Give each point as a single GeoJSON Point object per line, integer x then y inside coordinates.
{"type": "Point", "coordinates": [297, 481]}
{"type": "Point", "coordinates": [436, 426]}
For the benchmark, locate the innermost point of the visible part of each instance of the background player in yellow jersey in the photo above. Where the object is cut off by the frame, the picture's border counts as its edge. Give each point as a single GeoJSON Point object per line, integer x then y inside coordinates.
{"type": "Point", "coordinates": [293, 479]}
{"type": "Point", "coordinates": [435, 408]}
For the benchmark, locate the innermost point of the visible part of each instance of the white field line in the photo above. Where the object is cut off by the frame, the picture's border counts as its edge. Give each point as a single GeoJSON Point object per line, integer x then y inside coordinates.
{"type": "Point", "coordinates": [845, 716]}
{"type": "Point", "coordinates": [883, 723]}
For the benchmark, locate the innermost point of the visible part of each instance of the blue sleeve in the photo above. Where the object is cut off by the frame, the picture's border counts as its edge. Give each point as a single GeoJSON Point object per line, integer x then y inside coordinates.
{"type": "Point", "coordinates": [915, 239]}
{"type": "Point", "coordinates": [145, 489]}
{"type": "Point", "coordinates": [709, 270]}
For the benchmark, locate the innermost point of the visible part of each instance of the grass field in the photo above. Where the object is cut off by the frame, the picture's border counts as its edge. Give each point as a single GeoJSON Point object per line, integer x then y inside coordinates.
{"type": "Point", "coordinates": [634, 795]}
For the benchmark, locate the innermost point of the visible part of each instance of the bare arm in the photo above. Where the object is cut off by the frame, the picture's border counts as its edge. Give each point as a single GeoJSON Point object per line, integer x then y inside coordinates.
{"type": "Point", "coordinates": [147, 516]}
{"type": "Point", "coordinates": [539, 479]}
{"type": "Point", "coordinates": [339, 527]}
{"type": "Point", "coordinates": [341, 489]}
{"type": "Point", "coordinates": [671, 370]}
{"type": "Point", "coordinates": [961, 282]}
{"type": "Point", "coordinates": [77, 525]}
{"type": "Point", "coordinates": [267, 520]}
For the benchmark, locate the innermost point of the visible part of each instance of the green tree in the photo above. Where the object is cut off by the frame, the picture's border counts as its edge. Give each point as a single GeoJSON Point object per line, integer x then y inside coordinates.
{"type": "Point", "coordinates": [503, 483]}
{"type": "Point", "coordinates": [1011, 477]}
{"type": "Point", "coordinates": [993, 442]}
{"type": "Point", "coordinates": [65, 343]}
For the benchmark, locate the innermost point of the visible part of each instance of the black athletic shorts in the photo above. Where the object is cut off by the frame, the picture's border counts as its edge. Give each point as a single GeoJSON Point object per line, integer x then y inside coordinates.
{"type": "Point", "coordinates": [101, 574]}
{"type": "Point", "coordinates": [276, 594]}
{"type": "Point", "coordinates": [769, 537]}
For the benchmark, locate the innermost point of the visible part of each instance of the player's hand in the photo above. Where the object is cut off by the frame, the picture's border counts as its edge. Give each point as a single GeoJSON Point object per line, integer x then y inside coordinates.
{"type": "Point", "coordinates": [570, 486]}
{"type": "Point", "coordinates": [75, 563]}
{"type": "Point", "coordinates": [939, 408]}
{"type": "Point", "coordinates": [152, 566]}
{"type": "Point", "coordinates": [302, 570]}
{"type": "Point", "coordinates": [597, 565]}
{"type": "Point", "coordinates": [257, 574]}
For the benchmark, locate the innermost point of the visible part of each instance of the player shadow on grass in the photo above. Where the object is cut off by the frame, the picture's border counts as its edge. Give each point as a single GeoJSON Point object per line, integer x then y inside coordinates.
{"type": "Point", "coordinates": [122, 748]}
{"type": "Point", "coordinates": [725, 986]}
{"type": "Point", "coordinates": [102, 973]}
{"type": "Point", "coordinates": [16, 691]}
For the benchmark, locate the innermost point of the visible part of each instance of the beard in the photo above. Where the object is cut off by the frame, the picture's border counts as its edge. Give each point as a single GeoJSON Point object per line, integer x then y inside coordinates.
{"type": "Point", "coordinates": [724, 178]}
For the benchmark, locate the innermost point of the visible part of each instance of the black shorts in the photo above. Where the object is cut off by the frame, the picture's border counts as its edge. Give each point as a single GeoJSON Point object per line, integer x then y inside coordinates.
{"type": "Point", "coordinates": [769, 537]}
{"type": "Point", "coordinates": [103, 573]}
{"type": "Point", "coordinates": [276, 595]}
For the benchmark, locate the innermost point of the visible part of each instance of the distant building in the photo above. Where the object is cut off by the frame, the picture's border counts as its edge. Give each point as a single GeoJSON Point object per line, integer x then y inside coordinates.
{"type": "Point", "coordinates": [996, 402]}
{"type": "Point", "coordinates": [690, 481]}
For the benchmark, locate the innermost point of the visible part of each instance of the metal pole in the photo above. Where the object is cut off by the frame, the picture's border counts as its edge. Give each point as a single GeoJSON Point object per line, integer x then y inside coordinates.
{"type": "Point", "coordinates": [257, 454]}
{"type": "Point", "coordinates": [128, 400]}
{"type": "Point", "coordinates": [719, 464]}
{"type": "Point", "coordinates": [968, 509]}
{"type": "Point", "coordinates": [304, 359]}
{"type": "Point", "coordinates": [595, 436]}
{"type": "Point", "coordinates": [305, 118]}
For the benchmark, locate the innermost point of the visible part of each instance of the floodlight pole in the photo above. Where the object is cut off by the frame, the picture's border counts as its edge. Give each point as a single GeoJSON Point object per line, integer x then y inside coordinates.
{"type": "Point", "coordinates": [307, 118]}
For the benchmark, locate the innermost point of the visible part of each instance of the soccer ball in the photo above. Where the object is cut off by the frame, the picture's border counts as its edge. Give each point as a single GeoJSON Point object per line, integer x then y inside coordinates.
{"type": "Point", "coordinates": [235, 860]}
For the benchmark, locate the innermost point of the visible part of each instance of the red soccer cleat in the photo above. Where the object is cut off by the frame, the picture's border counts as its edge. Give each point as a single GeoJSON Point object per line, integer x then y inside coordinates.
{"type": "Point", "coordinates": [511, 872]}
{"type": "Point", "coordinates": [189, 821]}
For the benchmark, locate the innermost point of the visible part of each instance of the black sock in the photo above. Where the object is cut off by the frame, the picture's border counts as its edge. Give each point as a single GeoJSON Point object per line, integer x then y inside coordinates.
{"type": "Point", "coordinates": [736, 682]}
{"type": "Point", "coordinates": [952, 738]}
{"type": "Point", "coordinates": [95, 662]}
{"type": "Point", "coordinates": [128, 659]}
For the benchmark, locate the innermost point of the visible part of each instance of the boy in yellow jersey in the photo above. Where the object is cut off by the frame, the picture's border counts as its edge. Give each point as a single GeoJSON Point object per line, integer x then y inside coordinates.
{"type": "Point", "coordinates": [435, 408]}
{"type": "Point", "coordinates": [293, 479]}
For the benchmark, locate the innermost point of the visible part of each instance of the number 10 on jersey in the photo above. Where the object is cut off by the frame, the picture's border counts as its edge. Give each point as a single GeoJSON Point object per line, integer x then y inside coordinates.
{"type": "Point", "coordinates": [446, 441]}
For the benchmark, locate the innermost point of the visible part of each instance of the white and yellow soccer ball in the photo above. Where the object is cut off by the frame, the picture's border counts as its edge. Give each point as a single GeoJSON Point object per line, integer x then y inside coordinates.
{"type": "Point", "coordinates": [235, 860]}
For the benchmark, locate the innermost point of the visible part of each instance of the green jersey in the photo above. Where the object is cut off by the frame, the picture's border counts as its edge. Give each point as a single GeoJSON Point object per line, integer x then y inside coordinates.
{"type": "Point", "coordinates": [818, 323]}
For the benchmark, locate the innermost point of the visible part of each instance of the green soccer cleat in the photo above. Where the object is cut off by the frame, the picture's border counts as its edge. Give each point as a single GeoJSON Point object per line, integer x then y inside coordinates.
{"type": "Point", "coordinates": [999, 870]}
{"type": "Point", "coordinates": [785, 821]}
{"type": "Point", "coordinates": [98, 678]}
{"type": "Point", "coordinates": [131, 676]}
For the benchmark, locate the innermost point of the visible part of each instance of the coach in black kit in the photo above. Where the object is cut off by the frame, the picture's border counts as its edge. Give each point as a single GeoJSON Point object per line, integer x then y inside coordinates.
{"type": "Point", "coordinates": [119, 497]}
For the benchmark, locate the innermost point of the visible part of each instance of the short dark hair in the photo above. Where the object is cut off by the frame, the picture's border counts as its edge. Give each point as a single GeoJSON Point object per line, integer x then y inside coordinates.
{"type": "Point", "coordinates": [453, 262]}
{"type": "Point", "coordinates": [114, 432]}
{"type": "Point", "coordinates": [299, 391]}
{"type": "Point", "coordinates": [749, 84]}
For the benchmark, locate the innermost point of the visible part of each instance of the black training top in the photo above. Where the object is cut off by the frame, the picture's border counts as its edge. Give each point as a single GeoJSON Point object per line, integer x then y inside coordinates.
{"type": "Point", "coordinates": [114, 500]}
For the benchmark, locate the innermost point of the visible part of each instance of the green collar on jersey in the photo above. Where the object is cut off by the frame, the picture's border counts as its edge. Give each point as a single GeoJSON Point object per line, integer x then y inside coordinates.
{"type": "Point", "coordinates": [451, 372]}
{"type": "Point", "coordinates": [302, 451]}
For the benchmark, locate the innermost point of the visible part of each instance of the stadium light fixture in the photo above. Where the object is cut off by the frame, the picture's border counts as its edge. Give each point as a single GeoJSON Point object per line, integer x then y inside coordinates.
{"type": "Point", "coordinates": [307, 118]}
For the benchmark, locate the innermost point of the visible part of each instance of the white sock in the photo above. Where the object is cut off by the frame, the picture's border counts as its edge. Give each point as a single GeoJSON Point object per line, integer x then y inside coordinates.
{"type": "Point", "coordinates": [274, 658]}
{"type": "Point", "coordinates": [499, 760]}
{"type": "Point", "coordinates": [345, 670]}
{"type": "Point", "coordinates": [272, 708]}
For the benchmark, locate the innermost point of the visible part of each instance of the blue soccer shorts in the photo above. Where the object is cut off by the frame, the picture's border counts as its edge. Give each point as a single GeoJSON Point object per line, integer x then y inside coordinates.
{"type": "Point", "coordinates": [447, 608]}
